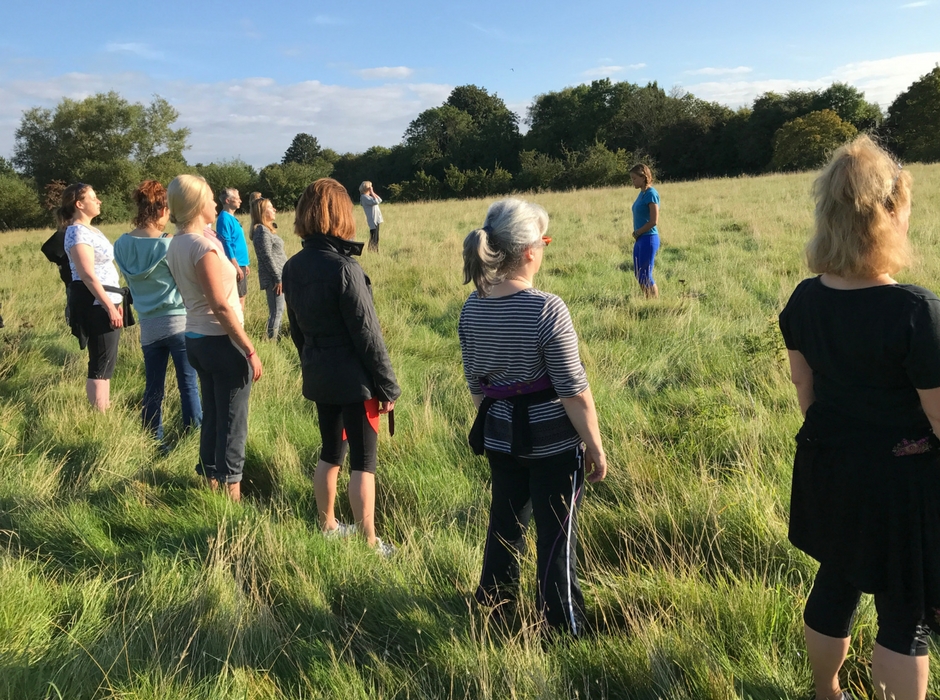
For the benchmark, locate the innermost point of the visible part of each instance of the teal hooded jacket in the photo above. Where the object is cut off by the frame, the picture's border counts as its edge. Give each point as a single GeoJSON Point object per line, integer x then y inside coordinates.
{"type": "Point", "coordinates": [142, 261]}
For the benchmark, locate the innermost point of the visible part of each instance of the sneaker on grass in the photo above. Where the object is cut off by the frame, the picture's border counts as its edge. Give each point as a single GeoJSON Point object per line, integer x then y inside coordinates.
{"type": "Point", "coordinates": [383, 549]}
{"type": "Point", "coordinates": [341, 531]}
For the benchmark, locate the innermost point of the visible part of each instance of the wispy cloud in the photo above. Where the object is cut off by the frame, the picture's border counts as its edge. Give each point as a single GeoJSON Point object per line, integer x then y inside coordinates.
{"type": "Point", "coordinates": [606, 71]}
{"type": "Point", "coordinates": [386, 73]}
{"type": "Point", "coordinates": [328, 20]}
{"type": "Point", "coordinates": [740, 70]}
{"type": "Point", "coordinates": [136, 49]}
{"type": "Point", "coordinates": [909, 5]}
{"type": "Point", "coordinates": [492, 32]}
{"type": "Point", "coordinates": [249, 29]}
{"type": "Point", "coordinates": [254, 119]}
{"type": "Point", "coordinates": [881, 81]}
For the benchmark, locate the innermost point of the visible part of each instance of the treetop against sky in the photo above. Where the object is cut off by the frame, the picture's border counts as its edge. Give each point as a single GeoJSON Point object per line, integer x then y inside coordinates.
{"type": "Point", "coordinates": [247, 79]}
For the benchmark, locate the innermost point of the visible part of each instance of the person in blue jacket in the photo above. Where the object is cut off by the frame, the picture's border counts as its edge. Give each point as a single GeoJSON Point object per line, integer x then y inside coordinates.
{"type": "Point", "coordinates": [232, 237]}
{"type": "Point", "coordinates": [645, 229]}
{"type": "Point", "coordinates": [141, 257]}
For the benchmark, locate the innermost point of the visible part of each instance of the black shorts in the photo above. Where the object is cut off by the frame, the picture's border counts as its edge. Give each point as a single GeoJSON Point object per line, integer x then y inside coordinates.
{"type": "Point", "coordinates": [243, 283]}
{"type": "Point", "coordinates": [361, 439]}
{"type": "Point", "coordinates": [102, 353]}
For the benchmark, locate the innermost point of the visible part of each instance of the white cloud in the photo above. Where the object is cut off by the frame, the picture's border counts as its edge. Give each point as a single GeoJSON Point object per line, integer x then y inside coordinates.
{"type": "Point", "coordinates": [137, 49]}
{"type": "Point", "coordinates": [909, 5]}
{"type": "Point", "coordinates": [606, 71]}
{"type": "Point", "coordinates": [881, 81]}
{"type": "Point", "coordinates": [885, 79]}
{"type": "Point", "coordinates": [254, 119]}
{"type": "Point", "coordinates": [386, 73]}
{"type": "Point", "coordinates": [740, 70]}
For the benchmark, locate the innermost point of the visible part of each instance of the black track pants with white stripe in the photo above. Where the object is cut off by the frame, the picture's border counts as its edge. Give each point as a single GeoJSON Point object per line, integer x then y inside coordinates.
{"type": "Point", "coordinates": [549, 488]}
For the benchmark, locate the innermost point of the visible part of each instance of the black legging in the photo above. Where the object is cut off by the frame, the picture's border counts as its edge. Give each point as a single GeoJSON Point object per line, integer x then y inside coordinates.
{"type": "Point", "coordinates": [361, 439]}
{"type": "Point", "coordinates": [830, 610]}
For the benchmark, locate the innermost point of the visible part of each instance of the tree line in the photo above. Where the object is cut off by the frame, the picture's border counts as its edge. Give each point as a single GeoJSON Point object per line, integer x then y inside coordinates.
{"type": "Point", "coordinates": [471, 145]}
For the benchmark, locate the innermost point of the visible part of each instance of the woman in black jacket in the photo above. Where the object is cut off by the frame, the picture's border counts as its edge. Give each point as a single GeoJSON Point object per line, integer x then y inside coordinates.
{"type": "Point", "coordinates": [345, 366]}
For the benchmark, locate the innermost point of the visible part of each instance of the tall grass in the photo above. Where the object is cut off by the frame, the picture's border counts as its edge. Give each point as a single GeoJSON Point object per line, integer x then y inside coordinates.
{"type": "Point", "coordinates": [122, 577]}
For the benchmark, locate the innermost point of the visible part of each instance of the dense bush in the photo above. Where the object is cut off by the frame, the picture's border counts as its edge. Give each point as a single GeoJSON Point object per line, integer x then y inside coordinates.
{"type": "Point", "coordinates": [285, 183]}
{"type": "Point", "coordinates": [805, 143]}
{"type": "Point", "coordinates": [914, 120]}
{"type": "Point", "coordinates": [19, 204]}
{"type": "Point", "coordinates": [229, 173]}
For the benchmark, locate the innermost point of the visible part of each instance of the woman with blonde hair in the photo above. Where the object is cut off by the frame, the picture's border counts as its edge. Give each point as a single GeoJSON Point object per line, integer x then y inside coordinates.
{"type": "Point", "coordinates": [269, 250]}
{"type": "Point", "coordinates": [345, 366]}
{"type": "Point", "coordinates": [864, 355]}
{"type": "Point", "coordinates": [536, 420]}
{"type": "Point", "coordinates": [216, 342]}
{"type": "Point", "coordinates": [370, 202]}
{"type": "Point", "coordinates": [645, 229]}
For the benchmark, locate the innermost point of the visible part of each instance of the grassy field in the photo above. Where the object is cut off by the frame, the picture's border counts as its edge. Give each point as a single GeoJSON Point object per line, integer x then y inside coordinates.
{"type": "Point", "coordinates": [121, 576]}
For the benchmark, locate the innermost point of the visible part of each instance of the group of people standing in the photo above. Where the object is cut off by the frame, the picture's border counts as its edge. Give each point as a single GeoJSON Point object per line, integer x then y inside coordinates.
{"type": "Point", "coordinates": [864, 353]}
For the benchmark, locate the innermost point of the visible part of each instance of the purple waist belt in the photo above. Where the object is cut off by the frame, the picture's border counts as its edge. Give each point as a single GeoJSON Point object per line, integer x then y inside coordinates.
{"type": "Point", "coordinates": [508, 391]}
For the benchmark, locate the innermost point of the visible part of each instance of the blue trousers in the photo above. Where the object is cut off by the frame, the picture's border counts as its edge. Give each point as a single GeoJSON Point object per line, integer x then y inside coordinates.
{"type": "Point", "coordinates": [644, 257]}
{"type": "Point", "coordinates": [156, 357]}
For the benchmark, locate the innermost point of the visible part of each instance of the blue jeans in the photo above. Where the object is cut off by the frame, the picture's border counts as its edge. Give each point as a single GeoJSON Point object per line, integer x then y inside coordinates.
{"type": "Point", "coordinates": [156, 356]}
{"type": "Point", "coordinates": [275, 312]}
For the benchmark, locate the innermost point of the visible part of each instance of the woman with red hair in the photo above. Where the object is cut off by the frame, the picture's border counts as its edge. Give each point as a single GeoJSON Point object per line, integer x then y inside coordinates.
{"type": "Point", "coordinates": [141, 257]}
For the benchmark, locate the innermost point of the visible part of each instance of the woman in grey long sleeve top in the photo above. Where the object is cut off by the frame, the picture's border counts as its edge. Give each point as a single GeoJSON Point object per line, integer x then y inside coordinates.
{"type": "Point", "coordinates": [370, 206]}
{"type": "Point", "coordinates": [269, 249]}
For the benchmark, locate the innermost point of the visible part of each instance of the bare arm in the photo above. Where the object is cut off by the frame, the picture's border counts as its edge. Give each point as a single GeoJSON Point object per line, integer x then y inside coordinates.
{"type": "Point", "coordinates": [209, 273]}
{"type": "Point", "coordinates": [648, 226]}
{"type": "Point", "coordinates": [583, 416]}
{"type": "Point", "coordinates": [83, 257]}
{"type": "Point", "coordinates": [930, 402]}
{"type": "Point", "coordinates": [801, 374]}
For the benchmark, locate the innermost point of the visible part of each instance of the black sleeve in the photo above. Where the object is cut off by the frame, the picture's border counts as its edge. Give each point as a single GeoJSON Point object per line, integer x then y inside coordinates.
{"type": "Point", "coordinates": [363, 326]}
{"type": "Point", "coordinates": [923, 359]}
{"type": "Point", "coordinates": [788, 318]}
{"type": "Point", "coordinates": [296, 334]}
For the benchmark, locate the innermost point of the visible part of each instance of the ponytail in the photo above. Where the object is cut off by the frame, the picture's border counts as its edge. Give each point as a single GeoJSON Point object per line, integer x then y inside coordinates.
{"type": "Point", "coordinates": [481, 263]}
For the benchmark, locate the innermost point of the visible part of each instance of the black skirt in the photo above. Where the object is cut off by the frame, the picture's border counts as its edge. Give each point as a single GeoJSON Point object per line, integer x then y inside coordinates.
{"type": "Point", "coordinates": [868, 503]}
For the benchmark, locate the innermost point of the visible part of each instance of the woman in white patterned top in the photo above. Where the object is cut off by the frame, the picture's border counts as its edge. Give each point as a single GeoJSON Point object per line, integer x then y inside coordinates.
{"type": "Point", "coordinates": [96, 312]}
{"type": "Point", "coordinates": [535, 409]}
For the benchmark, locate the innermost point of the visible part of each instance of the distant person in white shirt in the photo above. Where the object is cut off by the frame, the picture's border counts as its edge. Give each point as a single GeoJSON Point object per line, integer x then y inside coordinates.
{"type": "Point", "coordinates": [370, 205]}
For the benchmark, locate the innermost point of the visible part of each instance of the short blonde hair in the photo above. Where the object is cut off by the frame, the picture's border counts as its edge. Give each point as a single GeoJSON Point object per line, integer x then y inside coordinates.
{"type": "Point", "coordinates": [856, 195]}
{"type": "Point", "coordinates": [325, 207]}
{"type": "Point", "coordinates": [364, 187]}
{"type": "Point", "coordinates": [186, 197]}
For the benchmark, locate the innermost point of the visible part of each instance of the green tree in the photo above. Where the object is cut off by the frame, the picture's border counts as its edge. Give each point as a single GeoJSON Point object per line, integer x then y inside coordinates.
{"type": "Point", "coordinates": [103, 139]}
{"type": "Point", "coordinates": [805, 143]}
{"type": "Point", "coordinates": [284, 183]}
{"type": "Point", "coordinates": [914, 119]}
{"type": "Point", "coordinates": [770, 112]}
{"type": "Point", "coordinates": [850, 104]}
{"type": "Point", "coordinates": [19, 204]}
{"type": "Point", "coordinates": [230, 173]}
{"type": "Point", "coordinates": [304, 149]}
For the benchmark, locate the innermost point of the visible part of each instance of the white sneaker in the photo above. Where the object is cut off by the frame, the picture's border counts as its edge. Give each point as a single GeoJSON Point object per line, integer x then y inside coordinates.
{"type": "Point", "coordinates": [383, 549]}
{"type": "Point", "coordinates": [341, 531]}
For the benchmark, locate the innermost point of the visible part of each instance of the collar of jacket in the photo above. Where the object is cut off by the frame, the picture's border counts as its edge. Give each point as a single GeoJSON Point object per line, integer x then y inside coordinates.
{"type": "Point", "coordinates": [319, 241]}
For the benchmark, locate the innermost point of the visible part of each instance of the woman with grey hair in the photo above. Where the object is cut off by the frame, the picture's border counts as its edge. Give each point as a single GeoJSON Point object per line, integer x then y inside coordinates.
{"type": "Point", "coordinates": [370, 206]}
{"type": "Point", "coordinates": [536, 420]}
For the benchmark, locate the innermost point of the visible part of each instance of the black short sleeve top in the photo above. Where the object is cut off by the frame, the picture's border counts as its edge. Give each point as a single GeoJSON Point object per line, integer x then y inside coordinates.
{"type": "Point", "coordinates": [870, 349]}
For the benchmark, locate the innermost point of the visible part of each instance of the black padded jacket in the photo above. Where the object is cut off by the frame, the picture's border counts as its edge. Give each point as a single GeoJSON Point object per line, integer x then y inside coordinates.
{"type": "Point", "coordinates": [333, 324]}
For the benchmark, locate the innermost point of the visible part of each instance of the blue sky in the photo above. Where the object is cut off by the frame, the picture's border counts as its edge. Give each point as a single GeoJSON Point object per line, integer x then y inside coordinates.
{"type": "Point", "coordinates": [247, 77]}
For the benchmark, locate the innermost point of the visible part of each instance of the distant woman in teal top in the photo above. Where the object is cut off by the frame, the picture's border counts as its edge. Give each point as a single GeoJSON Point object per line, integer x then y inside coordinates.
{"type": "Point", "coordinates": [141, 257]}
{"type": "Point", "coordinates": [645, 231]}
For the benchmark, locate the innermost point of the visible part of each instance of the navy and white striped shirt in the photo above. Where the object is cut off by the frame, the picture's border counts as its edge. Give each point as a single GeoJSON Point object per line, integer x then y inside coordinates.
{"type": "Point", "coordinates": [519, 338]}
